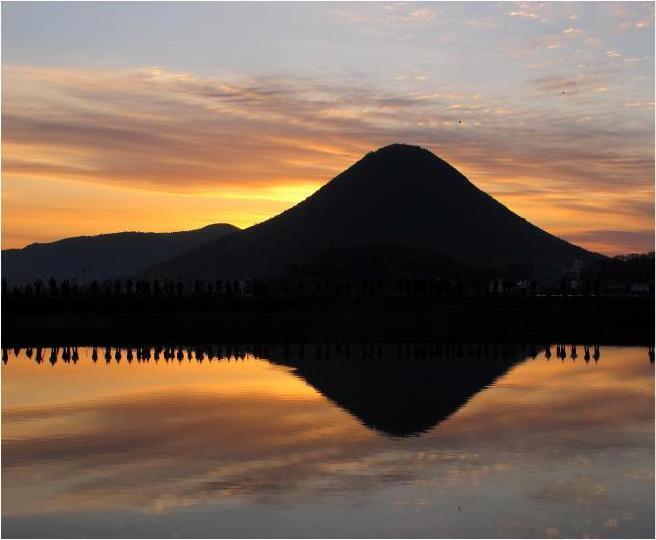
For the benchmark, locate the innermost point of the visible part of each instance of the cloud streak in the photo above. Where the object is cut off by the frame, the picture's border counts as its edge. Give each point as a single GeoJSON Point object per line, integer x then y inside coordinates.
{"type": "Point", "coordinates": [171, 132]}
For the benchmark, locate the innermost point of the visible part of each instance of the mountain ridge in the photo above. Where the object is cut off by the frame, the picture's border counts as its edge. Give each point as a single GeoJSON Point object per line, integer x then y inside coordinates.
{"type": "Point", "coordinates": [117, 233]}
{"type": "Point", "coordinates": [102, 256]}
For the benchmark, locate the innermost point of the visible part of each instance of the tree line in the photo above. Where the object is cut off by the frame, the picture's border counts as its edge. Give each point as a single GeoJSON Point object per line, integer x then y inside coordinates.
{"type": "Point", "coordinates": [606, 276]}
{"type": "Point", "coordinates": [316, 351]}
{"type": "Point", "coordinates": [271, 288]}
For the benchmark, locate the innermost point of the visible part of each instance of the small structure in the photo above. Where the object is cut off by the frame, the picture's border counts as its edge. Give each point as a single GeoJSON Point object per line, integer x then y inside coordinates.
{"type": "Point", "coordinates": [641, 289]}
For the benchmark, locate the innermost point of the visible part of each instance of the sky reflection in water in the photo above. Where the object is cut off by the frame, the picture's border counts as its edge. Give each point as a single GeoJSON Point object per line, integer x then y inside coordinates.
{"type": "Point", "coordinates": [535, 447]}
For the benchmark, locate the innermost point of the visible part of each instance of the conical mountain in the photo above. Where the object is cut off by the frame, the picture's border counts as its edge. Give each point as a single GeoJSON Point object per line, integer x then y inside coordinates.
{"type": "Point", "coordinates": [399, 195]}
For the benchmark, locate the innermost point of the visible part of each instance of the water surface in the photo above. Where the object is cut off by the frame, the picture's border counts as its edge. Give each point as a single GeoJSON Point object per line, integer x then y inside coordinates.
{"type": "Point", "coordinates": [326, 441]}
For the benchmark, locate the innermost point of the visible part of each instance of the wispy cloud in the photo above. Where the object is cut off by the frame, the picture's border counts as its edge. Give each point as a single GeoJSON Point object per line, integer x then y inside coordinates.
{"type": "Point", "coordinates": [615, 241]}
{"type": "Point", "coordinates": [176, 132]}
{"type": "Point", "coordinates": [534, 101]}
{"type": "Point", "coordinates": [555, 84]}
{"type": "Point", "coordinates": [386, 14]}
{"type": "Point", "coordinates": [523, 13]}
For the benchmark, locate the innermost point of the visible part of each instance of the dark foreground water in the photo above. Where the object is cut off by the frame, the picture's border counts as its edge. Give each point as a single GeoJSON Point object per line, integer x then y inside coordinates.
{"type": "Point", "coordinates": [418, 440]}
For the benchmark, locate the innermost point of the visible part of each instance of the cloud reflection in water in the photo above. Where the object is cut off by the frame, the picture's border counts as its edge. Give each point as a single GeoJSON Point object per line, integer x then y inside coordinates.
{"type": "Point", "coordinates": [550, 449]}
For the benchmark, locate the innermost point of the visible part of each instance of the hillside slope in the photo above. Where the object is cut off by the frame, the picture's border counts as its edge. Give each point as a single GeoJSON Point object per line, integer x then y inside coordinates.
{"type": "Point", "coordinates": [103, 256]}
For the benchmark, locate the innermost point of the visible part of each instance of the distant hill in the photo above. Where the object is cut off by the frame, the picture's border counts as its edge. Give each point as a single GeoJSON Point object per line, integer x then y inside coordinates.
{"type": "Point", "coordinates": [634, 267]}
{"type": "Point", "coordinates": [399, 195]}
{"type": "Point", "coordinates": [103, 256]}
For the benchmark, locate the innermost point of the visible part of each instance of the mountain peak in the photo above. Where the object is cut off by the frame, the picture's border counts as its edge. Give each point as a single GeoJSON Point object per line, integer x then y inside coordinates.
{"type": "Point", "coordinates": [402, 161]}
{"type": "Point", "coordinates": [402, 151]}
{"type": "Point", "coordinates": [401, 147]}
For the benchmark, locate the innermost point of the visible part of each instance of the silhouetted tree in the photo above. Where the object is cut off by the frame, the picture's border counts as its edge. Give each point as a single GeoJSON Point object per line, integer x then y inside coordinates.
{"type": "Point", "coordinates": [38, 287]}
{"type": "Point", "coordinates": [52, 286]}
{"type": "Point", "coordinates": [169, 287]}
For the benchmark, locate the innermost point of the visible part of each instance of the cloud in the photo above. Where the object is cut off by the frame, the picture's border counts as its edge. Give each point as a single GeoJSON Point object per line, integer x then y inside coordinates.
{"type": "Point", "coordinates": [482, 23]}
{"type": "Point", "coordinates": [554, 83]}
{"type": "Point", "coordinates": [387, 15]}
{"type": "Point", "coordinates": [548, 42]}
{"type": "Point", "coordinates": [174, 132]}
{"type": "Point", "coordinates": [524, 14]}
{"type": "Point", "coordinates": [631, 16]}
{"type": "Point", "coordinates": [616, 241]}
{"type": "Point", "coordinates": [641, 104]}
{"type": "Point", "coordinates": [423, 14]}
{"type": "Point", "coordinates": [581, 85]}
{"type": "Point", "coordinates": [158, 128]}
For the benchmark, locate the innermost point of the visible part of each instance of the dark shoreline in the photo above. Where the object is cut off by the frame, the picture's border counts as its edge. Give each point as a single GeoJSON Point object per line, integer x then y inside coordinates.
{"type": "Point", "coordinates": [517, 319]}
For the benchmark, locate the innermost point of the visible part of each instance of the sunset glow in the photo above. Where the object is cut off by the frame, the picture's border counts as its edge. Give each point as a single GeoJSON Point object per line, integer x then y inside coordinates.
{"type": "Point", "coordinates": [167, 117]}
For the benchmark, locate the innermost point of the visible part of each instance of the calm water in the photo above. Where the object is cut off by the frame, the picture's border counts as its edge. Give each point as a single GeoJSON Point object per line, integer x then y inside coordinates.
{"type": "Point", "coordinates": [383, 441]}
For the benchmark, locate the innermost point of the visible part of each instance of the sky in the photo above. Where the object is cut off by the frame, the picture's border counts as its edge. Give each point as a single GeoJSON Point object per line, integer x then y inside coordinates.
{"type": "Point", "coordinates": [170, 116]}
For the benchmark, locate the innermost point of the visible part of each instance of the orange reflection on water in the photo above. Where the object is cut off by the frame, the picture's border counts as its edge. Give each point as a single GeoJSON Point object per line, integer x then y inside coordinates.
{"type": "Point", "coordinates": [560, 446]}
{"type": "Point", "coordinates": [33, 384]}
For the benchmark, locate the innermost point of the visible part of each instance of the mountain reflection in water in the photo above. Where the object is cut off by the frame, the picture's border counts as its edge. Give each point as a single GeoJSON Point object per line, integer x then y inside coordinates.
{"type": "Point", "coordinates": [268, 440]}
{"type": "Point", "coordinates": [402, 390]}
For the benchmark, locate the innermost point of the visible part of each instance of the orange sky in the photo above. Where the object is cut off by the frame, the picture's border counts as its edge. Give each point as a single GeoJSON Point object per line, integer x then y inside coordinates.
{"type": "Point", "coordinates": [103, 143]}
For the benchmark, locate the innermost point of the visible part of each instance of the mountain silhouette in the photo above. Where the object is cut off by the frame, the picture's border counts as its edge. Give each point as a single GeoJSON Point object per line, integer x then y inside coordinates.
{"type": "Point", "coordinates": [103, 256]}
{"type": "Point", "coordinates": [400, 390]}
{"type": "Point", "coordinates": [399, 195]}
{"type": "Point", "coordinates": [382, 261]}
